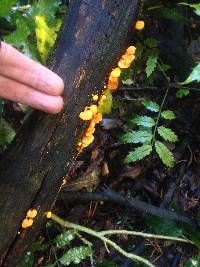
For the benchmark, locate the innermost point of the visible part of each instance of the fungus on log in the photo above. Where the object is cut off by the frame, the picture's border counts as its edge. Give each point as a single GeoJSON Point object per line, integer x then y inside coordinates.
{"type": "Point", "coordinates": [90, 43]}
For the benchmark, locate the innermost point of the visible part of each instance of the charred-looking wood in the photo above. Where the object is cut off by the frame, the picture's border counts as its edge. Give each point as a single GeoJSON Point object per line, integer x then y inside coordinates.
{"type": "Point", "coordinates": [90, 43]}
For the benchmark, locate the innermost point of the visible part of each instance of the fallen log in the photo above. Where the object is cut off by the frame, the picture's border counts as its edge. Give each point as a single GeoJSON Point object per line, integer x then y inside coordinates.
{"type": "Point", "coordinates": [90, 43]}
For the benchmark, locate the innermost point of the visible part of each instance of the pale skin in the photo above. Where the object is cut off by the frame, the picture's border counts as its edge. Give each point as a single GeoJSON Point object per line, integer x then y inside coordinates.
{"type": "Point", "coordinates": [28, 82]}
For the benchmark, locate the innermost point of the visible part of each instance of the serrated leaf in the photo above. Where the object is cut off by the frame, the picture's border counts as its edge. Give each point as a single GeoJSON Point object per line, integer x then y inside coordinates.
{"type": "Point", "coordinates": [150, 105]}
{"type": "Point", "coordinates": [151, 43]}
{"type": "Point", "coordinates": [5, 6]}
{"type": "Point", "coordinates": [194, 76]}
{"type": "Point", "coordinates": [164, 154]}
{"type": "Point", "coordinates": [167, 134]}
{"type": "Point", "coordinates": [151, 64]}
{"type": "Point", "coordinates": [75, 255]}
{"type": "Point", "coordinates": [182, 92]}
{"type": "Point", "coordinates": [168, 115]}
{"type": "Point", "coordinates": [136, 137]}
{"type": "Point", "coordinates": [45, 8]}
{"type": "Point", "coordinates": [65, 238]}
{"type": "Point", "coordinates": [138, 154]}
{"type": "Point", "coordinates": [106, 107]}
{"type": "Point", "coordinates": [144, 121]}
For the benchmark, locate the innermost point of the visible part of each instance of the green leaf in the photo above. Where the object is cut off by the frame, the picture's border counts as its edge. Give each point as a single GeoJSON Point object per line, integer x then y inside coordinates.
{"type": "Point", "coordinates": [193, 234]}
{"type": "Point", "coordinates": [193, 262]}
{"type": "Point", "coordinates": [182, 92]}
{"type": "Point", "coordinates": [128, 82]}
{"type": "Point", "coordinates": [5, 6]}
{"type": "Point", "coordinates": [106, 107]}
{"type": "Point", "coordinates": [151, 64]}
{"type": "Point", "coordinates": [167, 134]}
{"type": "Point", "coordinates": [144, 121]}
{"type": "Point", "coordinates": [136, 137]}
{"type": "Point", "coordinates": [165, 154]}
{"type": "Point", "coordinates": [19, 37]}
{"type": "Point", "coordinates": [165, 67]}
{"type": "Point", "coordinates": [138, 154]}
{"type": "Point", "coordinates": [45, 8]}
{"type": "Point", "coordinates": [194, 76]}
{"type": "Point", "coordinates": [168, 115]}
{"type": "Point", "coordinates": [195, 6]}
{"type": "Point", "coordinates": [65, 238]}
{"type": "Point", "coordinates": [28, 260]}
{"type": "Point", "coordinates": [150, 105]}
{"type": "Point", "coordinates": [75, 255]}
{"type": "Point", "coordinates": [151, 43]}
{"type": "Point", "coordinates": [6, 133]}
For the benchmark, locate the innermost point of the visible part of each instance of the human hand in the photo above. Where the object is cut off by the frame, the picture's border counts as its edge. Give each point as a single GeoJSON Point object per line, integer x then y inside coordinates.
{"type": "Point", "coordinates": [28, 82]}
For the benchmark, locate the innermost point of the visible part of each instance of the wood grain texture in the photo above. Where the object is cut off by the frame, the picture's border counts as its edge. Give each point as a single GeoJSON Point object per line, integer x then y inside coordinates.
{"type": "Point", "coordinates": [90, 43]}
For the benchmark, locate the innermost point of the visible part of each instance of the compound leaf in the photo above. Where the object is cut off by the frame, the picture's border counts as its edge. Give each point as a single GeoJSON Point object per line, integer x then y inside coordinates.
{"type": "Point", "coordinates": [75, 255]}
{"type": "Point", "coordinates": [165, 154]}
{"type": "Point", "coordinates": [137, 137]}
{"type": "Point", "coordinates": [167, 134]}
{"type": "Point", "coordinates": [150, 105]}
{"type": "Point", "coordinates": [168, 115]}
{"type": "Point", "coordinates": [144, 121]}
{"type": "Point", "coordinates": [138, 154]}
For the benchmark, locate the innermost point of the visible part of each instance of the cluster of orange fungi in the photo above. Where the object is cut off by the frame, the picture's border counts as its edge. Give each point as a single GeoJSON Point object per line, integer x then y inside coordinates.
{"type": "Point", "coordinates": [28, 221]}
{"type": "Point", "coordinates": [91, 113]}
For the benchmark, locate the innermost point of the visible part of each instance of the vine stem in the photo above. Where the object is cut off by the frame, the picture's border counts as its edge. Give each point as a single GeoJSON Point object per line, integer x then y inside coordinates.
{"type": "Point", "coordinates": [106, 240]}
{"type": "Point", "coordinates": [162, 104]}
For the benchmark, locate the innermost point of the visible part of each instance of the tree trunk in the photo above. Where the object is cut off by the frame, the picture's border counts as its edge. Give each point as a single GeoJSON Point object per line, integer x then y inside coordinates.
{"type": "Point", "coordinates": [32, 170]}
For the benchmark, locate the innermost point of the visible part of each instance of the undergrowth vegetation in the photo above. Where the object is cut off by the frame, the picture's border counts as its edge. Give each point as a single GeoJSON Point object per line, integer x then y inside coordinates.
{"type": "Point", "coordinates": [149, 126]}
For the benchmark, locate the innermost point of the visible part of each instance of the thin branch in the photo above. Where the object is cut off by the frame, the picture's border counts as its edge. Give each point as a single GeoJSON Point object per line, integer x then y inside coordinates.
{"type": "Point", "coordinates": [145, 235]}
{"type": "Point", "coordinates": [91, 232]}
{"type": "Point", "coordinates": [110, 195]}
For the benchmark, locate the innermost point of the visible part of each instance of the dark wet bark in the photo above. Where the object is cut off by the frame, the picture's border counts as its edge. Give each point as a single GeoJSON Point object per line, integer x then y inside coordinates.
{"type": "Point", "coordinates": [31, 171]}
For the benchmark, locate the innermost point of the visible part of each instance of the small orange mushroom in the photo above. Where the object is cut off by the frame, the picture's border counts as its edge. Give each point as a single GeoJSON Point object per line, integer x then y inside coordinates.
{"type": "Point", "coordinates": [32, 213]}
{"type": "Point", "coordinates": [115, 73]}
{"type": "Point", "coordinates": [139, 25]}
{"type": "Point", "coordinates": [27, 223]}
{"type": "Point", "coordinates": [86, 115]}
{"type": "Point", "coordinates": [131, 50]}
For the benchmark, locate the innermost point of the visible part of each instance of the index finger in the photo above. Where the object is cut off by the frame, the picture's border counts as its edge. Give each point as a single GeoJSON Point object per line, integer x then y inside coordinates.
{"type": "Point", "coordinates": [16, 66]}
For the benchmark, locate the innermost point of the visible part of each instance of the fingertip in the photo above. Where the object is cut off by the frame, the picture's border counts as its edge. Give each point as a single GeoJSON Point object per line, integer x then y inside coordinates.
{"type": "Point", "coordinates": [56, 105]}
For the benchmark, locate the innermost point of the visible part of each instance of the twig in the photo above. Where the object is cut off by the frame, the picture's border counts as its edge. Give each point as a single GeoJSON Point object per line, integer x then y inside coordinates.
{"type": "Point", "coordinates": [146, 235]}
{"type": "Point", "coordinates": [110, 195]}
{"type": "Point", "coordinates": [107, 241]}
